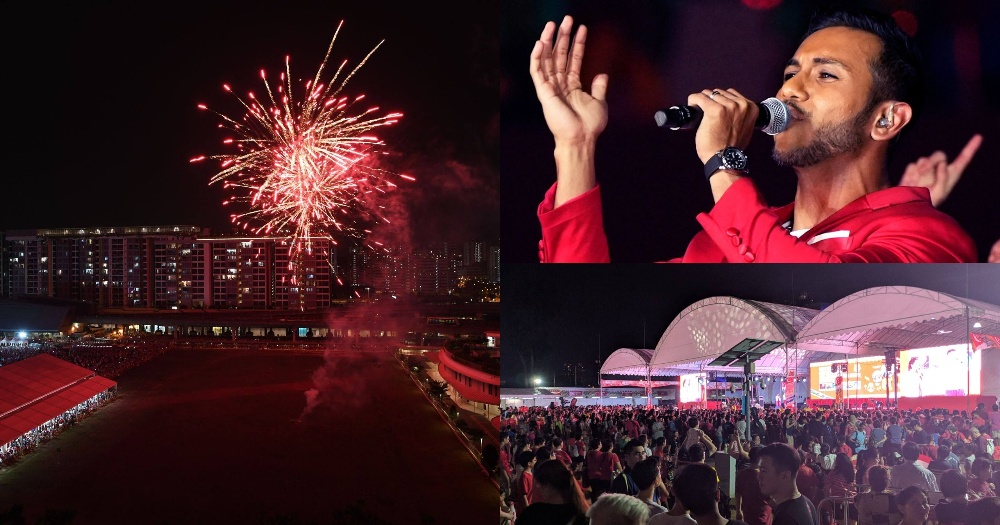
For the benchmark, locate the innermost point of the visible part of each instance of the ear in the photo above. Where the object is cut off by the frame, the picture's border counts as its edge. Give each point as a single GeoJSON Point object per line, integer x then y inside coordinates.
{"type": "Point", "coordinates": [890, 120]}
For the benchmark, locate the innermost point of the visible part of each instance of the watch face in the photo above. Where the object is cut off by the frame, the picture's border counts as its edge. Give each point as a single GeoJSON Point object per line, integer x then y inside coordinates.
{"type": "Point", "coordinates": [734, 159]}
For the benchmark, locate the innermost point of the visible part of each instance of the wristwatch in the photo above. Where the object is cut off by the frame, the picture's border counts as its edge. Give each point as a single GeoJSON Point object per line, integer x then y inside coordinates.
{"type": "Point", "coordinates": [729, 158]}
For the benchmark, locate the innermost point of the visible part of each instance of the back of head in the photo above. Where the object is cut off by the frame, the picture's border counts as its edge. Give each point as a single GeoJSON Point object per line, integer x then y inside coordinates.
{"type": "Point", "coordinates": [983, 511]}
{"type": "Point", "coordinates": [843, 466]}
{"type": "Point", "coordinates": [693, 422]}
{"type": "Point", "coordinates": [783, 457]}
{"type": "Point", "coordinates": [695, 485]}
{"type": "Point", "coordinates": [696, 452]}
{"type": "Point", "coordinates": [552, 473]}
{"type": "Point", "coordinates": [878, 477]}
{"type": "Point", "coordinates": [898, 72]}
{"type": "Point", "coordinates": [755, 454]}
{"type": "Point", "coordinates": [943, 452]}
{"type": "Point", "coordinates": [911, 451]}
{"type": "Point", "coordinates": [556, 442]}
{"type": "Point", "coordinates": [618, 509]}
{"type": "Point", "coordinates": [543, 454]}
{"type": "Point", "coordinates": [953, 483]}
{"type": "Point", "coordinates": [644, 472]}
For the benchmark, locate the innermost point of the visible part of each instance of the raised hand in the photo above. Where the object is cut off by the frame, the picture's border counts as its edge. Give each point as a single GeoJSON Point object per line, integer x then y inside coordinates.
{"type": "Point", "coordinates": [574, 116]}
{"type": "Point", "coordinates": [936, 174]}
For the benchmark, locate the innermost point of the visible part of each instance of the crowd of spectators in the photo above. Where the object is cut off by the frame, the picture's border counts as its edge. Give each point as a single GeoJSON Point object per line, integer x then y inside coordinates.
{"type": "Point", "coordinates": [878, 466]}
{"type": "Point", "coordinates": [11, 452]}
{"type": "Point", "coordinates": [106, 358]}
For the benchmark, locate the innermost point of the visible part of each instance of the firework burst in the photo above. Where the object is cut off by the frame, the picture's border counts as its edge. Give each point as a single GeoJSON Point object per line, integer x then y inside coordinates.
{"type": "Point", "coordinates": [305, 167]}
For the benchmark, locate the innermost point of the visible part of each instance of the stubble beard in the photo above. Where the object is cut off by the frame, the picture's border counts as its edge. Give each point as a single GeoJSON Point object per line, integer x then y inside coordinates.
{"type": "Point", "coordinates": [831, 140]}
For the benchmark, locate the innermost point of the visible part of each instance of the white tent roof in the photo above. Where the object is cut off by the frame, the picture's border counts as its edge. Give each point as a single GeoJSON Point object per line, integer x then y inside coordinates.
{"type": "Point", "coordinates": [864, 323]}
{"type": "Point", "coordinates": [627, 361]}
{"type": "Point", "coordinates": [875, 319]}
{"type": "Point", "coordinates": [710, 327]}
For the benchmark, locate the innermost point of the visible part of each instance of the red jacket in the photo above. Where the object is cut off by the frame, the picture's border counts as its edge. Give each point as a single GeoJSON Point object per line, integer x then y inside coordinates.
{"type": "Point", "coordinates": [892, 225]}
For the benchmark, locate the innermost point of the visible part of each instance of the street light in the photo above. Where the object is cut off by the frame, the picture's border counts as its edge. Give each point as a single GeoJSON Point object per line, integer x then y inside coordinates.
{"type": "Point", "coordinates": [538, 381]}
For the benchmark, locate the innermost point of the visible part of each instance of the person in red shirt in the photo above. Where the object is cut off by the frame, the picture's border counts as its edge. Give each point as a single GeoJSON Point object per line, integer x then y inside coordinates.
{"type": "Point", "coordinates": [505, 452]}
{"type": "Point", "coordinates": [561, 455]}
{"type": "Point", "coordinates": [751, 503]}
{"type": "Point", "coordinates": [523, 481]}
{"type": "Point", "coordinates": [846, 105]}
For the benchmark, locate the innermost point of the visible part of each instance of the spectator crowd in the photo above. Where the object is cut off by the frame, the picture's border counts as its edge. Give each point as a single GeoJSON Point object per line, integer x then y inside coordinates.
{"type": "Point", "coordinates": [638, 465]}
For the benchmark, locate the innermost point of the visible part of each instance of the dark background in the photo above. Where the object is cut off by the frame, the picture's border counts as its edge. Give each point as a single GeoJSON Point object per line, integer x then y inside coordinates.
{"type": "Point", "coordinates": [656, 53]}
{"type": "Point", "coordinates": [567, 314]}
{"type": "Point", "coordinates": [100, 103]}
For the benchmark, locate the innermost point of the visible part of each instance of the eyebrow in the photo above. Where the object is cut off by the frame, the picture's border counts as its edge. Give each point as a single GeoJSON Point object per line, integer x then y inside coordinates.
{"type": "Point", "coordinates": [818, 60]}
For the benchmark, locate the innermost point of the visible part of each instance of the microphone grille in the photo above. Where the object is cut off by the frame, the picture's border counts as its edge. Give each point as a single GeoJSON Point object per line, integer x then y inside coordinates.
{"type": "Point", "coordinates": [660, 117]}
{"type": "Point", "coordinates": [779, 116]}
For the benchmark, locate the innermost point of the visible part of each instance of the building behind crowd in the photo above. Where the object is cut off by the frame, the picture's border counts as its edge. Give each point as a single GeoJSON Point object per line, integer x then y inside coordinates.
{"type": "Point", "coordinates": [183, 266]}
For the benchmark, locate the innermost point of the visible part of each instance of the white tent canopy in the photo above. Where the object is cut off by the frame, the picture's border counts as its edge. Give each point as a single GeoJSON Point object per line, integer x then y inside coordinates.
{"type": "Point", "coordinates": [627, 361]}
{"type": "Point", "coordinates": [876, 319]}
{"type": "Point", "coordinates": [867, 322]}
{"type": "Point", "coordinates": [710, 327]}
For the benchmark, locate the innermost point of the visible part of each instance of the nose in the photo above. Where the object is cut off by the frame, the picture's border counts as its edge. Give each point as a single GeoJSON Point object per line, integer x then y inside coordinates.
{"type": "Point", "coordinates": [793, 88]}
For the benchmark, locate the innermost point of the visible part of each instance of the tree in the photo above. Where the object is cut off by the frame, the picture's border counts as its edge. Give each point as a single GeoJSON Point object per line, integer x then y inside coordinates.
{"type": "Point", "coordinates": [438, 388]}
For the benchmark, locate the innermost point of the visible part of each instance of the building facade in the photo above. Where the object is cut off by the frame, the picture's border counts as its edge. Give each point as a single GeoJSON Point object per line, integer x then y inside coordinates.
{"type": "Point", "coordinates": [165, 267]}
{"type": "Point", "coordinates": [185, 267]}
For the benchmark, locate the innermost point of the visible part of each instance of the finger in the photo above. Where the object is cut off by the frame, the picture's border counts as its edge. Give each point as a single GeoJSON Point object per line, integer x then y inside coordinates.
{"type": "Point", "coordinates": [562, 44]}
{"type": "Point", "coordinates": [924, 166]}
{"type": "Point", "coordinates": [963, 158]}
{"type": "Point", "coordinates": [576, 59]}
{"type": "Point", "coordinates": [938, 157]}
{"type": "Point", "coordinates": [535, 65]}
{"type": "Point", "coordinates": [547, 41]}
{"type": "Point", "coordinates": [702, 99]}
{"type": "Point", "coordinates": [910, 175]}
{"type": "Point", "coordinates": [599, 87]}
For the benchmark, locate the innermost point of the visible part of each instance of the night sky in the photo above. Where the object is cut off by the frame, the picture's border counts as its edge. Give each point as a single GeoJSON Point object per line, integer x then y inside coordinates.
{"type": "Point", "coordinates": [559, 314]}
{"type": "Point", "coordinates": [100, 103]}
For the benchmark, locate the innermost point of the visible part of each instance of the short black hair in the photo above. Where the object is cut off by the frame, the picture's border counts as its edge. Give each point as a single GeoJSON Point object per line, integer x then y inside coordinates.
{"type": "Point", "coordinates": [696, 485]}
{"type": "Point", "coordinates": [784, 457]}
{"type": "Point", "coordinates": [696, 452]}
{"type": "Point", "coordinates": [953, 483]}
{"type": "Point", "coordinates": [911, 451]}
{"type": "Point", "coordinates": [633, 443]}
{"type": "Point", "coordinates": [898, 71]}
{"type": "Point", "coordinates": [524, 458]}
{"type": "Point", "coordinates": [644, 472]}
{"type": "Point", "coordinates": [907, 494]}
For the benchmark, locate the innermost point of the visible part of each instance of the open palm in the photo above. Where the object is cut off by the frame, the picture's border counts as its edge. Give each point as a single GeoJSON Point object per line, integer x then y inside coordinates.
{"type": "Point", "coordinates": [573, 116]}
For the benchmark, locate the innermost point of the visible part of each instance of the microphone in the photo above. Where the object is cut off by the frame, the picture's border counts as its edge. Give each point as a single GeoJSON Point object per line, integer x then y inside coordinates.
{"type": "Point", "coordinates": [771, 119]}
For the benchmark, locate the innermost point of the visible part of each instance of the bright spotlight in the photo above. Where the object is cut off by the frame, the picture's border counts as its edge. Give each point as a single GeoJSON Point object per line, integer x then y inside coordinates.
{"type": "Point", "coordinates": [538, 380]}
{"type": "Point", "coordinates": [22, 335]}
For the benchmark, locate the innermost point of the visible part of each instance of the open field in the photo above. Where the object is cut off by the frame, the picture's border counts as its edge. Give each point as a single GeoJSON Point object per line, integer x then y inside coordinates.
{"type": "Point", "coordinates": [222, 436]}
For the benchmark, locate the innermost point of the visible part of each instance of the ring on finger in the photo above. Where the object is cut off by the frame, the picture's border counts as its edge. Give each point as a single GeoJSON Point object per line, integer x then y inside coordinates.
{"type": "Point", "coordinates": [714, 92]}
